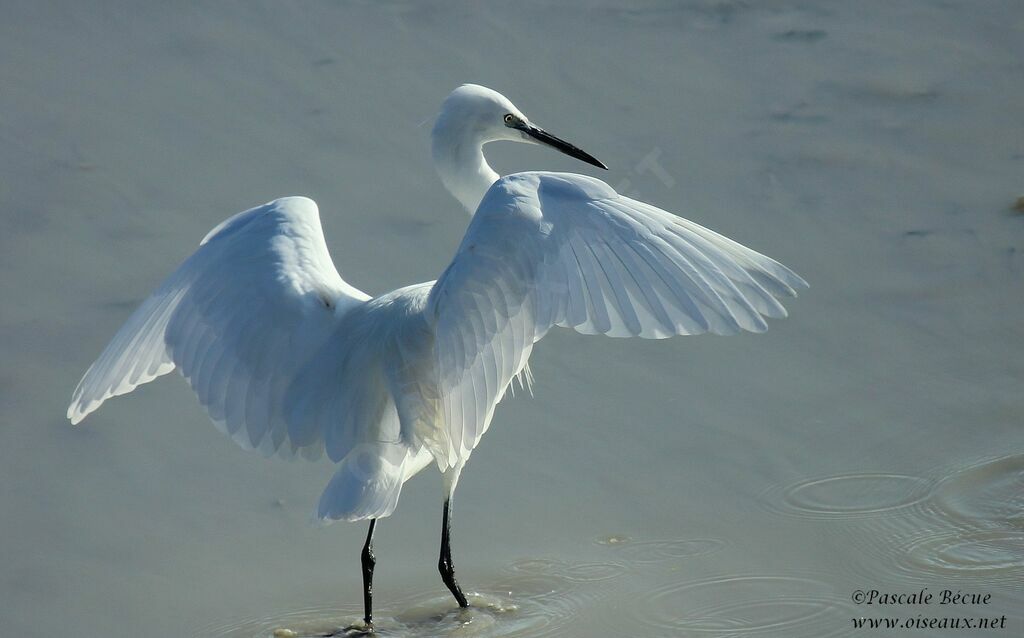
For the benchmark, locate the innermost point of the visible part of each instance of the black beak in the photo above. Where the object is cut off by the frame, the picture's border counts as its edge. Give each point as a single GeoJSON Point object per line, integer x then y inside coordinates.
{"type": "Point", "coordinates": [544, 137]}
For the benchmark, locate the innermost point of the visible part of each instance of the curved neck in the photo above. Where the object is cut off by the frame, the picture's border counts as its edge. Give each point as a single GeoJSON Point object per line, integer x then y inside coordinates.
{"type": "Point", "coordinates": [459, 160]}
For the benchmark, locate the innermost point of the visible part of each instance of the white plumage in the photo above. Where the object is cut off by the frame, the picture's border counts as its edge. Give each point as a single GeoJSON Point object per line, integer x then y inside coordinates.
{"type": "Point", "coordinates": [288, 358]}
{"type": "Point", "coordinates": [547, 249]}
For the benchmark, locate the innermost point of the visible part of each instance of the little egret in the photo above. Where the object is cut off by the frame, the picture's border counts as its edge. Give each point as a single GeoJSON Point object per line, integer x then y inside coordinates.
{"type": "Point", "coordinates": [289, 359]}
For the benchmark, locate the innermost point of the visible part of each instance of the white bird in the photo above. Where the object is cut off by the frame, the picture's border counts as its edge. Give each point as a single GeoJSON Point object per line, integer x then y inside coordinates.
{"type": "Point", "coordinates": [289, 359]}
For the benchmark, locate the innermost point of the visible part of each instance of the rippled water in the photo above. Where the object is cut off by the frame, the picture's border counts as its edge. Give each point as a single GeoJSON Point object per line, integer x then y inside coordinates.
{"type": "Point", "coordinates": [990, 493]}
{"type": "Point", "coordinates": [758, 604]}
{"type": "Point", "coordinates": [960, 527]}
{"type": "Point", "coordinates": [550, 597]}
{"type": "Point", "coordinates": [662, 551]}
{"type": "Point", "coordinates": [967, 529]}
{"type": "Point", "coordinates": [848, 495]}
{"type": "Point", "coordinates": [534, 597]}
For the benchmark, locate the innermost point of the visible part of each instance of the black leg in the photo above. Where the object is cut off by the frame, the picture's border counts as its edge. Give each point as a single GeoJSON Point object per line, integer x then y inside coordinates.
{"type": "Point", "coordinates": [368, 560]}
{"type": "Point", "coordinates": [444, 563]}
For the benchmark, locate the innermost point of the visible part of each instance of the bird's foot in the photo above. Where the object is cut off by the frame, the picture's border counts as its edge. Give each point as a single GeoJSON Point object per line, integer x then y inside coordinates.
{"type": "Point", "coordinates": [353, 631]}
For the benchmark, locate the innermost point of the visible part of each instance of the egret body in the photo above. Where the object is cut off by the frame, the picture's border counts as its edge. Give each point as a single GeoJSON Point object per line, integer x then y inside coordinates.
{"type": "Point", "coordinates": [289, 359]}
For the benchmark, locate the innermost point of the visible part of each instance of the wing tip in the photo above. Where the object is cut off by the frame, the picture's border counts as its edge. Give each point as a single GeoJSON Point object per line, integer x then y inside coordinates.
{"type": "Point", "coordinates": [79, 409]}
{"type": "Point", "coordinates": [792, 280]}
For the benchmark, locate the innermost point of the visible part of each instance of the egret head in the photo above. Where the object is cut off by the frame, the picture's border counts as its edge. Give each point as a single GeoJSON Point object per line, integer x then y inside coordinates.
{"type": "Point", "coordinates": [471, 116]}
{"type": "Point", "coordinates": [477, 113]}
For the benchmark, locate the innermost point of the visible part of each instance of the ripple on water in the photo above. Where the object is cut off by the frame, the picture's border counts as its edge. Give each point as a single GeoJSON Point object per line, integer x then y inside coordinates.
{"type": "Point", "coordinates": [301, 623]}
{"type": "Point", "coordinates": [975, 527]}
{"type": "Point", "coordinates": [537, 597]}
{"type": "Point", "coordinates": [574, 572]}
{"type": "Point", "coordinates": [749, 605]}
{"type": "Point", "coordinates": [944, 554]}
{"type": "Point", "coordinates": [659, 551]}
{"type": "Point", "coordinates": [488, 615]}
{"type": "Point", "coordinates": [848, 495]}
{"type": "Point", "coordinates": [970, 528]}
{"type": "Point", "coordinates": [987, 494]}
{"type": "Point", "coordinates": [983, 554]}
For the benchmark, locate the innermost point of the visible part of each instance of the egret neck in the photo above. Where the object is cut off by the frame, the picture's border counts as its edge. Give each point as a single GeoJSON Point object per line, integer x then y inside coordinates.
{"type": "Point", "coordinates": [458, 152]}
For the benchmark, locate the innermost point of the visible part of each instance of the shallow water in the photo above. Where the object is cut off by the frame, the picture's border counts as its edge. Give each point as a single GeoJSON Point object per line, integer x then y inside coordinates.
{"type": "Point", "coordinates": [552, 598]}
{"type": "Point", "coordinates": [958, 530]}
{"type": "Point", "coordinates": [746, 486]}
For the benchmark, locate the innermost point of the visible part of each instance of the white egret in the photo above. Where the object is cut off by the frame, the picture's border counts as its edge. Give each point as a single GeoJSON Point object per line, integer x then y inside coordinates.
{"type": "Point", "coordinates": [289, 359]}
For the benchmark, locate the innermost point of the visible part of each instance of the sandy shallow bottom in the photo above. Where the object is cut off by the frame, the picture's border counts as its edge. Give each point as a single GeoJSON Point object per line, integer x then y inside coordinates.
{"type": "Point", "coordinates": [745, 486]}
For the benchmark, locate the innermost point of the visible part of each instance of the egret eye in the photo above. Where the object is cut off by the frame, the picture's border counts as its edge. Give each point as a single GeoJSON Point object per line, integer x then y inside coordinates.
{"type": "Point", "coordinates": [510, 119]}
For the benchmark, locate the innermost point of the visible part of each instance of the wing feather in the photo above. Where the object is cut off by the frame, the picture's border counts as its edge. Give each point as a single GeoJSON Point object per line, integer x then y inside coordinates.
{"type": "Point", "coordinates": [548, 249]}
{"type": "Point", "coordinates": [243, 318]}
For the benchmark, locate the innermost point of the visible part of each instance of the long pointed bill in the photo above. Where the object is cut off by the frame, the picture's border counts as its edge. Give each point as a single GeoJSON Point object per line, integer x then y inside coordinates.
{"type": "Point", "coordinates": [548, 139]}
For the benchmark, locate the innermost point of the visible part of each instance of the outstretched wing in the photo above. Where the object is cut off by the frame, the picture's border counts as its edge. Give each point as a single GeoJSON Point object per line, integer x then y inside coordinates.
{"type": "Point", "coordinates": [548, 249]}
{"type": "Point", "coordinates": [241, 318]}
